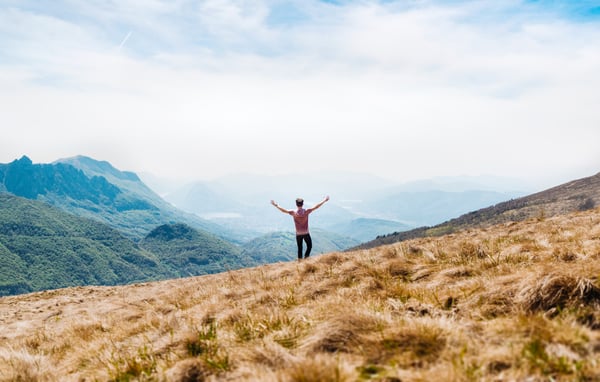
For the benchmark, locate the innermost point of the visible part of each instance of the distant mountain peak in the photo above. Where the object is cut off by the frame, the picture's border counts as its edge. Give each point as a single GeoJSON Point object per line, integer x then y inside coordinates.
{"type": "Point", "coordinates": [24, 160]}
{"type": "Point", "coordinates": [91, 167]}
{"type": "Point", "coordinates": [24, 178]}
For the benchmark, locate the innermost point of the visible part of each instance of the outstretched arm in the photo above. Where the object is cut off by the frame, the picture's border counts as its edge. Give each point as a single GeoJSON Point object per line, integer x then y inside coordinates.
{"type": "Point", "coordinates": [279, 207]}
{"type": "Point", "coordinates": [319, 204]}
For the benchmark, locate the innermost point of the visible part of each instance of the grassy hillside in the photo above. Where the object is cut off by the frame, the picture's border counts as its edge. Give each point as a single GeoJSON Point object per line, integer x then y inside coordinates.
{"type": "Point", "coordinates": [42, 247]}
{"type": "Point", "coordinates": [512, 302]}
{"type": "Point", "coordinates": [190, 252]}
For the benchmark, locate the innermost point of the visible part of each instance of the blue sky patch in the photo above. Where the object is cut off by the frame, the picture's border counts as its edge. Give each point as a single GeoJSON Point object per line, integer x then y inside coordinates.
{"type": "Point", "coordinates": [576, 10]}
{"type": "Point", "coordinates": [286, 14]}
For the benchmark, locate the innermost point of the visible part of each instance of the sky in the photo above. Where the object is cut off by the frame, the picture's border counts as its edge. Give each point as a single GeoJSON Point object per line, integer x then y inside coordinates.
{"type": "Point", "coordinates": [400, 89]}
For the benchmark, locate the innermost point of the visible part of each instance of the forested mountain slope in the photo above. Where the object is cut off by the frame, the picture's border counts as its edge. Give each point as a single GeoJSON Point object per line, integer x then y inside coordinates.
{"type": "Point", "coordinates": [190, 252]}
{"type": "Point", "coordinates": [42, 247]}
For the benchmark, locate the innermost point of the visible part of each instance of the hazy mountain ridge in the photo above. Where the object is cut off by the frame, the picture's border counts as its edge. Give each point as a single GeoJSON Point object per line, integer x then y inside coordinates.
{"type": "Point", "coordinates": [241, 201]}
{"type": "Point", "coordinates": [93, 167]}
{"type": "Point", "coordinates": [577, 195]}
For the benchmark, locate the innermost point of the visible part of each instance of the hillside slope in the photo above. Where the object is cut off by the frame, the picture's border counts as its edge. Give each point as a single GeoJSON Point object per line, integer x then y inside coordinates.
{"type": "Point", "coordinates": [511, 302]}
{"type": "Point", "coordinates": [578, 195]}
{"type": "Point", "coordinates": [42, 247]}
{"type": "Point", "coordinates": [190, 252]}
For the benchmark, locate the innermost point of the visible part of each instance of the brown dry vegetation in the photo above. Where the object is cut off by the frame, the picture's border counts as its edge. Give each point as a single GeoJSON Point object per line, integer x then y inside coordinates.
{"type": "Point", "coordinates": [518, 301]}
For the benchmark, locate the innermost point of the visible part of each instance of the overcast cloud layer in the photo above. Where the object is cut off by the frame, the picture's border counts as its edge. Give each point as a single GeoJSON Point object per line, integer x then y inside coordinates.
{"type": "Point", "coordinates": [402, 89]}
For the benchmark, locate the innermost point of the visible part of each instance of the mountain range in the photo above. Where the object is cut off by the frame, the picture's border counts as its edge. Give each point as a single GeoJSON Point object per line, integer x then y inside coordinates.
{"type": "Point", "coordinates": [362, 206]}
{"type": "Point", "coordinates": [79, 221]}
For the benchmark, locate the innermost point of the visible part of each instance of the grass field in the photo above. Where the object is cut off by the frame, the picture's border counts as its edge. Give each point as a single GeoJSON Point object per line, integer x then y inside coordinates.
{"type": "Point", "coordinates": [514, 302]}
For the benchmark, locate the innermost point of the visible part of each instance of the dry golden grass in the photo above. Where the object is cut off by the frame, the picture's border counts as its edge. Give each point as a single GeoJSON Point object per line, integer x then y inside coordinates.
{"type": "Point", "coordinates": [515, 302]}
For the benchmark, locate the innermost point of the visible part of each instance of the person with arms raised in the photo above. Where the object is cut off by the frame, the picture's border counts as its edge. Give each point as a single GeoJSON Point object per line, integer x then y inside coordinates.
{"type": "Point", "coordinates": [300, 216]}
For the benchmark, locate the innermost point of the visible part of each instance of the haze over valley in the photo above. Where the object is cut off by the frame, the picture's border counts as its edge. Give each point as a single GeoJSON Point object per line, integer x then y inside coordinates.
{"type": "Point", "coordinates": [362, 206]}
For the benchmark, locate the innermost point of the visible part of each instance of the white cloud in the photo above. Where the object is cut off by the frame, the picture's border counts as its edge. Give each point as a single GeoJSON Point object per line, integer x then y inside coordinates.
{"type": "Point", "coordinates": [206, 88]}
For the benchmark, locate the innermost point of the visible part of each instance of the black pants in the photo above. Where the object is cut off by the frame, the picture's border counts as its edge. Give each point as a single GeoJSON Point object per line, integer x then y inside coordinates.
{"type": "Point", "coordinates": [308, 240]}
